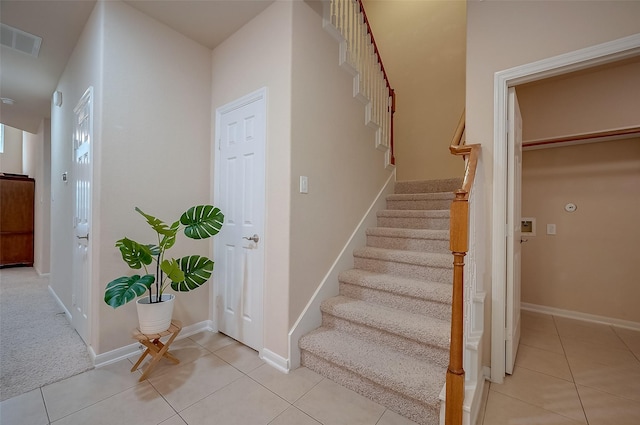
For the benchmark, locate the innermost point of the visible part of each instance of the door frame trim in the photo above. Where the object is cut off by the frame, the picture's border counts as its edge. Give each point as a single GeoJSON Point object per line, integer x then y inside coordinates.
{"type": "Point", "coordinates": [612, 51]}
{"type": "Point", "coordinates": [89, 97]}
{"type": "Point", "coordinates": [258, 95]}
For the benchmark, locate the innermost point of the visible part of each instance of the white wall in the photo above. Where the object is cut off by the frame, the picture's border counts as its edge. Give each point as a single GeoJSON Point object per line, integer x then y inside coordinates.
{"type": "Point", "coordinates": [256, 56]}
{"type": "Point", "coordinates": [502, 35]}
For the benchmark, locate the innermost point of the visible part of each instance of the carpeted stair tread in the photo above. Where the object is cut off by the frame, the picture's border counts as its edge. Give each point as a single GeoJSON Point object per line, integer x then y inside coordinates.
{"type": "Point", "coordinates": [433, 291]}
{"type": "Point", "coordinates": [395, 232]}
{"type": "Point", "coordinates": [420, 196]}
{"type": "Point", "coordinates": [428, 186]}
{"type": "Point", "coordinates": [427, 259]}
{"type": "Point", "coordinates": [416, 327]}
{"type": "Point", "coordinates": [388, 368]}
{"type": "Point", "coordinates": [387, 334]}
{"type": "Point", "coordinates": [414, 213]}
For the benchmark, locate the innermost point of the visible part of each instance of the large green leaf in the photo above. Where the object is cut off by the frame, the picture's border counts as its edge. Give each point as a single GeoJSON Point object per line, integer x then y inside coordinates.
{"type": "Point", "coordinates": [197, 270]}
{"type": "Point", "coordinates": [135, 254]}
{"type": "Point", "coordinates": [153, 249]}
{"type": "Point", "coordinates": [170, 238]}
{"type": "Point", "coordinates": [158, 225]}
{"type": "Point", "coordinates": [172, 270]}
{"type": "Point", "coordinates": [202, 221]}
{"type": "Point", "coordinates": [126, 288]}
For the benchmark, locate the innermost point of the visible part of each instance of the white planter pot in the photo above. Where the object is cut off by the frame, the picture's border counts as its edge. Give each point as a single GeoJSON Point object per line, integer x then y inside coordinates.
{"type": "Point", "coordinates": [154, 318]}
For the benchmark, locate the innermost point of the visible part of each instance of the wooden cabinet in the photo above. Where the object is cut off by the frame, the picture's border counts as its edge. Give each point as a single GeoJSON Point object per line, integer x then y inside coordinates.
{"type": "Point", "coordinates": [16, 220]}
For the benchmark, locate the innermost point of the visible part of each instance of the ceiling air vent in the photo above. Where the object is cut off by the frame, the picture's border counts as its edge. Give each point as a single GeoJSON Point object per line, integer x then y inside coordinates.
{"type": "Point", "coordinates": [20, 40]}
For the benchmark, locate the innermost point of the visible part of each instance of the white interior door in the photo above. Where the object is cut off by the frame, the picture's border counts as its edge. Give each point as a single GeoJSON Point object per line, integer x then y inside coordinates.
{"type": "Point", "coordinates": [240, 194]}
{"type": "Point", "coordinates": [514, 217]}
{"type": "Point", "coordinates": [81, 179]}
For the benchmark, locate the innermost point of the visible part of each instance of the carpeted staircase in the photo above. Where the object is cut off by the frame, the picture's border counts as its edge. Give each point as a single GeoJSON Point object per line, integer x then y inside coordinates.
{"type": "Point", "coordinates": [386, 335]}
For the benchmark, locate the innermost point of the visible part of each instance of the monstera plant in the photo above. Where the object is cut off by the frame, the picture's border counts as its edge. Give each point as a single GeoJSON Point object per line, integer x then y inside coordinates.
{"type": "Point", "coordinates": [160, 270]}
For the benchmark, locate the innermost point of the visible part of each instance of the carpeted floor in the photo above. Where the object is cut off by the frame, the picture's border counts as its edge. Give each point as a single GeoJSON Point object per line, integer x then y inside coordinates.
{"type": "Point", "coordinates": [38, 346]}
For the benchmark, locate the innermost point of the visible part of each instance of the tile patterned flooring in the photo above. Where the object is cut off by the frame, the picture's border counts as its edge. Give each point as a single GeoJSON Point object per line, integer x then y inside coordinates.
{"type": "Point", "coordinates": [567, 372]}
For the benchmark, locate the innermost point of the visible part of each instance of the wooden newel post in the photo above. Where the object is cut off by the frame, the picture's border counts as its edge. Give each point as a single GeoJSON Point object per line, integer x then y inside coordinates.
{"type": "Point", "coordinates": [458, 243]}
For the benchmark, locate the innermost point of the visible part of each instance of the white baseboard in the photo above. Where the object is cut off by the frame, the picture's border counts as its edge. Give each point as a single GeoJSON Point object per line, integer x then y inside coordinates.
{"type": "Point", "coordinates": [486, 371]}
{"type": "Point", "coordinates": [586, 317]}
{"type": "Point", "coordinates": [113, 356]}
{"type": "Point", "coordinates": [41, 274]}
{"type": "Point", "coordinates": [311, 318]}
{"type": "Point", "coordinates": [67, 313]}
{"type": "Point", "coordinates": [275, 360]}
{"type": "Point", "coordinates": [205, 325]}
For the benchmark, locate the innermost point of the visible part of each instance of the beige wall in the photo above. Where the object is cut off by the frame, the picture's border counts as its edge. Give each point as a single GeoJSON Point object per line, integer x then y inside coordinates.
{"type": "Point", "coordinates": [37, 164]}
{"type": "Point", "coordinates": [589, 266]}
{"type": "Point", "coordinates": [422, 44]}
{"type": "Point", "coordinates": [82, 70]}
{"type": "Point", "coordinates": [259, 55]}
{"type": "Point", "coordinates": [502, 35]}
{"type": "Point", "coordinates": [155, 151]}
{"type": "Point", "coordinates": [605, 98]}
{"type": "Point", "coordinates": [11, 158]}
{"type": "Point", "coordinates": [314, 125]}
{"type": "Point", "coordinates": [151, 141]}
{"type": "Point", "coordinates": [331, 145]}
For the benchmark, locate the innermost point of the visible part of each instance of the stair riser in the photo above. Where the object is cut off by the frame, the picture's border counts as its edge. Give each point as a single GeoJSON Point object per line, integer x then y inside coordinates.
{"type": "Point", "coordinates": [419, 350]}
{"type": "Point", "coordinates": [414, 223]}
{"type": "Point", "coordinates": [409, 244]}
{"type": "Point", "coordinates": [410, 304]}
{"type": "Point", "coordinates": [427, 204]}
{"type": "Point", "coordinates": [434, 186]}
{"type": "Point", "coordinates": [413, 271]}
{"type": "Point", "coordinates": [419, 412]}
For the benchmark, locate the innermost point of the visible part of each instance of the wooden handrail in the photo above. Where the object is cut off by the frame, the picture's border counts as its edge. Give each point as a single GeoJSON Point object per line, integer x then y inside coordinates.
{"type": "Point", "coordinates": [392, 159]}
{"type": "Point", "coordinates": [457, 137]}
{"type": "Point", "coordinates": [392, 92]}
{"type": "Point", "coordinates": [375, 46]}
{"type": "Point", "coordinates": [459, 245]}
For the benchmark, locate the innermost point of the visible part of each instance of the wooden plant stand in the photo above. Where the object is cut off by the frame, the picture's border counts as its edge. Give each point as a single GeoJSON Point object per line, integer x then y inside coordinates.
{"type": "Point", "coordinates": [155, 347]}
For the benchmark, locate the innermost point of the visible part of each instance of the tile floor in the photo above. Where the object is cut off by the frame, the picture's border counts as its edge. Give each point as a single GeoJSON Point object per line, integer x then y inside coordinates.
{"type": "Point", "coordinates": [567, 372]}
{"type": "Point", "coordinates": [218, 381]}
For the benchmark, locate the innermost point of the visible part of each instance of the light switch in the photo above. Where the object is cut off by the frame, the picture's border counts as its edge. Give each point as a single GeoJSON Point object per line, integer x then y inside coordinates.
{"type": "Point", "coordinates": [304, 184]}
{"type": "Point", "coordinates": [551, 229]}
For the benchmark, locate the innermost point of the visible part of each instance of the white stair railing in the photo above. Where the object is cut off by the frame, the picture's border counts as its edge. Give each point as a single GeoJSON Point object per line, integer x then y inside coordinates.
{"type": "Point", "coordinates": [347, 21]}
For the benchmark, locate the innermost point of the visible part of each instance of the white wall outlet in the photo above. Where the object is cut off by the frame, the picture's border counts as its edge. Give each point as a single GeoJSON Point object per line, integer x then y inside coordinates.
{"type": "Point", "coordinates": [304, 184]}
{"type": "Point", "coordinates": [551, 229]}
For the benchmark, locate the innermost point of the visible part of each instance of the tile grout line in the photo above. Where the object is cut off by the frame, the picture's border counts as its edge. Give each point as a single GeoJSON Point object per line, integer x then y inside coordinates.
{"type": "Point", "coordinates": [575, 385]}
{"type": "Point", "coordinates": [637, 356]}
{"type": "Point", "coordinates": [46, 411]}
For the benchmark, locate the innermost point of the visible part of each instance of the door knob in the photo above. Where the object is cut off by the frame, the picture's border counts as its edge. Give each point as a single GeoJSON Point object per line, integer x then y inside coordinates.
{"type": "Point", "coordinates": [254, 238]}
{"type": "Point", "coordinates": [524, 240]}
{"type": "Point", "coordinates": [83, 237]}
